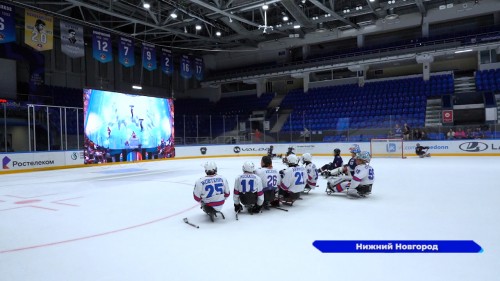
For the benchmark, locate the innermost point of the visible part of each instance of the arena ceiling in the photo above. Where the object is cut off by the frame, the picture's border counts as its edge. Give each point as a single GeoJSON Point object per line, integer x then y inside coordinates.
{"type": "Point", "coordinates": [228, 24]}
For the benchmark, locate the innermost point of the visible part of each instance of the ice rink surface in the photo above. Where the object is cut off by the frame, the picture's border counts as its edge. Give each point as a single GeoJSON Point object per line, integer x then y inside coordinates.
{"type": "Point", "coordinates": [125, 222]}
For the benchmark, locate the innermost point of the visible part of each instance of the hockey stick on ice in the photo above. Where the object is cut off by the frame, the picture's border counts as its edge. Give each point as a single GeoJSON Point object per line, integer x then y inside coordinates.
{"type": "Point", "coordinates": [282, 209]}
{"type": "Point", "coordinates": [191, 224]}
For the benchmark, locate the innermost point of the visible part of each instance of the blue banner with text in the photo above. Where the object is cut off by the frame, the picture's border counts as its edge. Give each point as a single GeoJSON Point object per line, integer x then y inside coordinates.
{"type": "Point", "coordinates": [398, 246]}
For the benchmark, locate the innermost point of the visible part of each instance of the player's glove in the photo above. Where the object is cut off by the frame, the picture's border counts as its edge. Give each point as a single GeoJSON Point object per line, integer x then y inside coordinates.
{"type": "Point", "coordinates": [238, 208]}
{"type": "Point", "coordinates": [282, 173]}
{"type": "Point", "coordinates": [256, 209]}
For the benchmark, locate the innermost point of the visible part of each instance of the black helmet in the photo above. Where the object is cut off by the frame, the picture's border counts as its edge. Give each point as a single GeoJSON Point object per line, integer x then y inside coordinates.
{"type": "Point", "coordinates": [336, 151]}
{"type": "Point", "coordinates": [418, 144]}
{"type": "Point", "coordinates": [267, 161]}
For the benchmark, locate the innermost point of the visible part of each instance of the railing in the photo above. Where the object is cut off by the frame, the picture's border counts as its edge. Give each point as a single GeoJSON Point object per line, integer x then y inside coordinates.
{"type": "Point", "coordinates": [40, 127]}
{"type": "Point", "coordinates": [320, 127]}
{"type": "Point", "coordinates": [48, 128]}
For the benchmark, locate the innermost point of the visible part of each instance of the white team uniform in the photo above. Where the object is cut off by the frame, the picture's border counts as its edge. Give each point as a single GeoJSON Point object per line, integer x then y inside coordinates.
{"type": "Point", "coordinates": [270, 178]}
{"type": "Point", "coordinates": [248, 183]}
{"type": "Point", "coordinates": [211, 191]}
{"type": "Point", "coordinates": [294, 179]}
{"type": "Point", "coordinates": [363, 176]}
{"type": "Point", "coordinates": [312, 175]}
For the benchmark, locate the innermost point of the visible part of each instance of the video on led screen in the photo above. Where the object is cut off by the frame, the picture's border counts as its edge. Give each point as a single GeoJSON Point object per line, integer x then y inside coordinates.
{"type": "Point", "coordinates": [123, 127]}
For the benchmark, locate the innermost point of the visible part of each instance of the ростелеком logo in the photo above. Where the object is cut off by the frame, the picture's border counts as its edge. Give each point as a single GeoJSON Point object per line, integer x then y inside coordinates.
{"type": "Point", "coordinates": [5, 162]}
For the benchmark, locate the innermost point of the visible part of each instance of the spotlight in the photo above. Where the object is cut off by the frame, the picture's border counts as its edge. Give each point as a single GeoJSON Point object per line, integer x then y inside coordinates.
{"type": "Point", "coordinates": [296, 26]}
{"type": "Point", "coordinates": [136, 87]}
{"type": "Point", "coordinates": [198, 27]}
{"type": "Point", "coordinates": [218, 33]}
{"type": "Point", "coordinates": [265, 7]}
{"type": "Point", "coordinates": [173, 15]}
{"type": "Point", "coordinates": [285, 18]}
{"type": "Point", "coordinates": [146, 5]}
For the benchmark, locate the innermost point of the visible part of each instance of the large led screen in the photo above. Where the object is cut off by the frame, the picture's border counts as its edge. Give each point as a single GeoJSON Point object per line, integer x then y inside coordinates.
{"type": "Point", "coordinates": [125, 127]}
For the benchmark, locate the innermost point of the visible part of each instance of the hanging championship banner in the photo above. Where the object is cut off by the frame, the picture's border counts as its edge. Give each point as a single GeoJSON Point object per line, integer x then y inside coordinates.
{"type": "Point", "coordinates": [167, 65]}
{"type": "Point", "coordinates": [198, 69]}
{"type": "Point", "coordinates": [186, 67]}
{"type": "Point", "coordinates": [148, 56]}
{"type": "Point", "coordinates": [126, 52]}
{"type": "Point", "coordinates": [7, 24]}
{"type": "Point", "coordinates": [101, 46]}
{"type": "Point", "coordinates": [38, 30]}
{"type": "Point", "coordinates": [72, 40]}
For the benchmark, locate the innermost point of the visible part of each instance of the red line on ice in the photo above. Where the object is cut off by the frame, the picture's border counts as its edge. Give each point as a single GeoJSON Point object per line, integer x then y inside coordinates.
{"type": "Point", "coordinates": [97, 235]}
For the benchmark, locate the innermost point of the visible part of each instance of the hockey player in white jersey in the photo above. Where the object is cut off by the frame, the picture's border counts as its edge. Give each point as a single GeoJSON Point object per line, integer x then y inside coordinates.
{"type": "Point", "coordinates": [270, 180]}
{"type": "Point", "coordinates": [211, 191]}
{"type": "Point", "coordinates": [248, 190]}
{"type": "Point", "coordinates": [312, 172]}
{"type": "Point", "coordinates": [293, 181]}
{"type": "Point", "coordinates": [361, 183]}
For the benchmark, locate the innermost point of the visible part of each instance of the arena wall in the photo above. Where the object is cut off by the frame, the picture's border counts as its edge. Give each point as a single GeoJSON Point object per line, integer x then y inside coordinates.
{"type": "Point", "coordinates": [12, 162]}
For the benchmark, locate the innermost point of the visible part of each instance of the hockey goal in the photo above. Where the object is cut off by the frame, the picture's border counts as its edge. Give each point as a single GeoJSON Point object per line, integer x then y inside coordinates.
{"type": "Point", "coordinates": [393, 148]}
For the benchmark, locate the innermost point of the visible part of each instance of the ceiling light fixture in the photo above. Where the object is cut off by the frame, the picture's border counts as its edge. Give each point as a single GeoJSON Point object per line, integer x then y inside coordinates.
{"type": "Point", "coordinates": [146, 5]}
{"type": "Point", "coordinates": [265, 27]}
{"type": "Point", "coordinates": [285, 18]}
{"type": "Point", "coordinates": [463, 51]}
{"type": "Point", "coordinates": [218, 33]}
{"type": "Point", "coordinates": [136, 87]}
{"type": "Point", "coordinates": [173, 15]}
{"type": "Point", "coordinates": [296, 26]}
{"type": "Point", "coordinates": [198, 27]}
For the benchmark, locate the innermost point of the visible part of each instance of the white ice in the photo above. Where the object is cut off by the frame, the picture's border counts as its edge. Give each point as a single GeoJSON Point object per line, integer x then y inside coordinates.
{"type": "Point", "coordinates": [124, 222]}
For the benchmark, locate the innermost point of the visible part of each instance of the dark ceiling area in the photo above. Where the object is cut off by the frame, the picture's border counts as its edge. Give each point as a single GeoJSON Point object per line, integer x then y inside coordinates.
{"type": "Point", "coordinates": [228, 24]}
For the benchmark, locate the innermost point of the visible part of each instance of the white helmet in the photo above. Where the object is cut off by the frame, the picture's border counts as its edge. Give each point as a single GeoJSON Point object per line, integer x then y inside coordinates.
{"type": "Point", "coordinates": [248, 167]}
{"type": "Point", "coordinates": [306, 157]}
{"type": "Point", "coordinates": [210, 166]}
{"type": "Point", "coordinates": [292, 159]}
{"type": "Point", "coordinates": [365, 156]}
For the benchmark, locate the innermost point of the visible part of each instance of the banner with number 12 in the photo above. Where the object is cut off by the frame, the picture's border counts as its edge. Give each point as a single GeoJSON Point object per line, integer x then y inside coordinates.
{"type": "Point", "coordinates": [101, 46]}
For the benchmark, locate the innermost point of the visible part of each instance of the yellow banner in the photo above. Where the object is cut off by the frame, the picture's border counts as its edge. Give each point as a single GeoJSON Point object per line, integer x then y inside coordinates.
{"type": "Point", "coordinates": [38, 30]}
